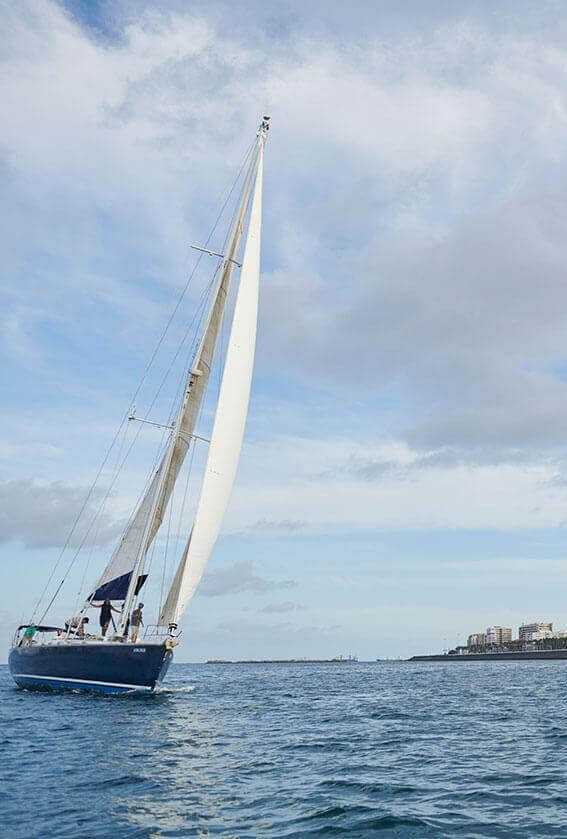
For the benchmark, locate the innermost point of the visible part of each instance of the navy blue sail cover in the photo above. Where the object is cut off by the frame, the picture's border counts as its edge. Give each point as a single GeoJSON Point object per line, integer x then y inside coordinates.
{"type": "Point", "coordinates": [117, 589]}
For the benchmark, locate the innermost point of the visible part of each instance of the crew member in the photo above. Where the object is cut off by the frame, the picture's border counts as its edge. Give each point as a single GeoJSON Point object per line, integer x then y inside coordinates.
{"type": "Point", "coordinates": [81, 628]}
{"type": "Point", "coordinates": [28, 636]}
{"type": "Point", "coordinates": [106, 611]}
{"type": "Point", "coordinates": [136, 621]}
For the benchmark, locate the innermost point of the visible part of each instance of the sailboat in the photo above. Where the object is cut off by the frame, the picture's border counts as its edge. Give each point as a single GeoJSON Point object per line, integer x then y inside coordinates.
{"type": "Point", "coordinates": [51, 657]}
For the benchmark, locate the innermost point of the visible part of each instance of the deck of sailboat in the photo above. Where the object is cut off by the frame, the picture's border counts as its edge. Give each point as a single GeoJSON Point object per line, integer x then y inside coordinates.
{"type": "Point", "coordinates": [91, 642]}
{"type": "Point", "coordinates": [91, 664]}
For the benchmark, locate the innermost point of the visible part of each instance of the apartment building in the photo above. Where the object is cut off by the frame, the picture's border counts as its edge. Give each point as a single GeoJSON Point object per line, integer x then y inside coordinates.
{"type": "Point", "coordinates": [498, 635]}
{"type": "Point", "coordinates": [527, 631]}
{"type": "Point", "coordinates": [477, 639]}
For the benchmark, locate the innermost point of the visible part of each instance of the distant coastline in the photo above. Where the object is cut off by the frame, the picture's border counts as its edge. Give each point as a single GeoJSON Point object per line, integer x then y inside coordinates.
{"type": "Point", "coordinates": [535, 641]}
{"type": "Point", "coordinates": [339, 660]}
{"type": "Point", "coordinates": [503, 655]}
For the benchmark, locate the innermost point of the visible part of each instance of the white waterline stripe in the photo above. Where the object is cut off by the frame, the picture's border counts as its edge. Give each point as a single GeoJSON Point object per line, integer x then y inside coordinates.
{"type": "Point", "coordinates": [82, 681]}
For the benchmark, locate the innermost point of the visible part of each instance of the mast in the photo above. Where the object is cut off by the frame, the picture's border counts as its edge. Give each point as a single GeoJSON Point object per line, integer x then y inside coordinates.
{"type": "Point", "coordinates": [149, 514]}
{"type": "Point", "coordinates": [230, 416]}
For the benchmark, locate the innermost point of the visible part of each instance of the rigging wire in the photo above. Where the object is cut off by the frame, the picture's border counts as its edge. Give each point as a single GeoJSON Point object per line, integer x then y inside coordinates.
{"type": "Point", "coordinates": [191, 453]}
{"type": "Point", "coordinates": [185, 491]}
{"type": "Point", "coordinates": [219, 354]}
{"type": "Point", "coordinates": [162, 586]}
{"type": "Point", "coordinates": [131, 404]}
{"type": "Point", "coordinates": [192, 352]}
{"type": "Point", "coordinates": [192, 457]}
{"type": "Point", "coordinates": [152, 554]}
{"type": "Point", "coordinates": [99, 517]}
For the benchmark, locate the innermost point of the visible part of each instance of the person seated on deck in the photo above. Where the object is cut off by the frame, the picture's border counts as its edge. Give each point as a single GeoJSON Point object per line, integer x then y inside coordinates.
{"type": "Point", "coordinates": [106, 610]}
{"type": "Point", "coordinates": [136, 621]}
{"type": "Point", "coordinates": [71, 626]}
{"type": "Point", "coordinates": [81, 628]}
{"type": "Point", "coordinates": [28, 636]}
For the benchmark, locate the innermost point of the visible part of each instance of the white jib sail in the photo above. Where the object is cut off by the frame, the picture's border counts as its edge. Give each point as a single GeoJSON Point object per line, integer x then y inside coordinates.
{"type": "Point", "coordinates": [125, 555]}
{"type": "Point", "coordinates": [230, 419]}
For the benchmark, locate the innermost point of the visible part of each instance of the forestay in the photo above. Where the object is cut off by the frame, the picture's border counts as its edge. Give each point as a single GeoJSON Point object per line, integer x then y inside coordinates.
{"type": "Point", "coordinates": [230, 419]}
{"type": "Point", "coordinates": [115, 580]}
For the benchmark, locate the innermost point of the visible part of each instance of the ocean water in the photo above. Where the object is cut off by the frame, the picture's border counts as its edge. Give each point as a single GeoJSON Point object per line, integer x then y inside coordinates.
{"type": "Point", "coordinates": [388, 750]}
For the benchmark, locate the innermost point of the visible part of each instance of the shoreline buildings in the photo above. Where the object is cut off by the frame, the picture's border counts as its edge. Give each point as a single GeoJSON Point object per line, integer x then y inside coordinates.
{"type": "Point", "coordinates": [535, 640]}
{"type": "Point", "coordinates": [501, 636]}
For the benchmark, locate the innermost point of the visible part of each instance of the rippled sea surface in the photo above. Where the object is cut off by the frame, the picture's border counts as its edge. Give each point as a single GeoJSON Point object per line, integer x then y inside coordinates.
{"type": "Point", "coordinates": [395, 749]}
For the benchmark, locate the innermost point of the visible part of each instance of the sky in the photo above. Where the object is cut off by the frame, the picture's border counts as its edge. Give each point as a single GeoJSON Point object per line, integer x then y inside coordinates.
{"type": "Point", "coordinates": [403, 481]}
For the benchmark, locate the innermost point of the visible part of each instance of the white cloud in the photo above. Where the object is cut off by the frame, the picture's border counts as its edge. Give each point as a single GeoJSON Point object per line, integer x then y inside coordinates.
{"type": "Point", "coordinates": [279, 608]}
{"type": "Point", "coordinates": [42, 516]}
{"type": "Point", "coordinates": [337, 484]}
{"type": "Point", "coordinates": [416, 222]}
{"type": "Point", "coordinates": [239, 577]}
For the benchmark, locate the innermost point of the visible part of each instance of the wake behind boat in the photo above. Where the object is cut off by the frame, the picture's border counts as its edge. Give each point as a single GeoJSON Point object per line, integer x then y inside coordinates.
{"type": "Point", "coordinates": [50, 656]}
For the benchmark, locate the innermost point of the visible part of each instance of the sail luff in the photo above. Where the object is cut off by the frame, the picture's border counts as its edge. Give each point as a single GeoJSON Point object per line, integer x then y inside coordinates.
{"type": "Point", "coordinates": [230, 419]}
{"type": "Point", "coordinates": [199, 373]}
{"type": "Point", "coordinates": [127, 559]}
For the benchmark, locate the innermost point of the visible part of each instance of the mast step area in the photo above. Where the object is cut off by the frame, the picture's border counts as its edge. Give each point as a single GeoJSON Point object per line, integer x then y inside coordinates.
{"type": "Point", "coordinates": [102, 668]}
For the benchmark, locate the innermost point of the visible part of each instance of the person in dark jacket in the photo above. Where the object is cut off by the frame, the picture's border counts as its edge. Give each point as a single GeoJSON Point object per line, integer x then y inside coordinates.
{"type": "Point", "coordinates": [106, 611]}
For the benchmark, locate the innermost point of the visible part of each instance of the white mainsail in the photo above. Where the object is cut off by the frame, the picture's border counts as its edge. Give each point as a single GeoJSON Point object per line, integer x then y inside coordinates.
{"type": "Point", "coordinates": [230, 419]}
{"type": "Point", "coordinates": [140, 531]}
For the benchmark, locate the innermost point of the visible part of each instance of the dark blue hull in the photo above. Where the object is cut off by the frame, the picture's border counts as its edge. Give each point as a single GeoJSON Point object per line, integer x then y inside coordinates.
{"type": "Point", "coordinates": [104, 667]}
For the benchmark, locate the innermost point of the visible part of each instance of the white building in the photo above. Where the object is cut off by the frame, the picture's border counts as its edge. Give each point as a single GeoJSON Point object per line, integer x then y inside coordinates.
{"type": "Point", "coordinates": [538, 636]}
{"type": "Point", "coordinates": [498, 635]}
{"type": "Point", "coordinates": [477, 639]}
{"type": "Point", "coordinates": [527, 630]}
